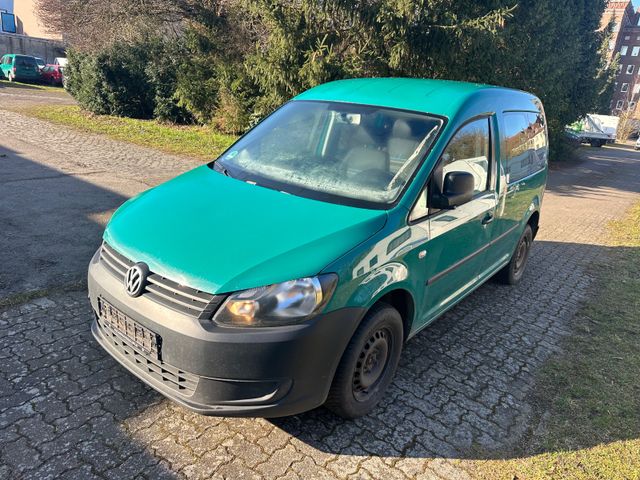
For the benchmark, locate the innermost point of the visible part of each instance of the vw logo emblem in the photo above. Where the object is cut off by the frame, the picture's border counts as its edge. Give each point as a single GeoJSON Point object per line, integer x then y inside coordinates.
{"type": "Point", "coordinates": [136, 279]}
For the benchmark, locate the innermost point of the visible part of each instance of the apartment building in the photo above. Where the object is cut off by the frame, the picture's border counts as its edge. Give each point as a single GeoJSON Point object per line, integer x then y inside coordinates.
{"type": "Point", "coordinates": [626, 43]}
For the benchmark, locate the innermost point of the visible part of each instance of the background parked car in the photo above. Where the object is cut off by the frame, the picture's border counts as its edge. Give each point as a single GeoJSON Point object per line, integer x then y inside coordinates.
{"type": "Point", "coordinates": [19, 67]}
{"type": "Point", "coordinates": [53, 74]}
{"type": "Point", "coordinates": [41, 63]}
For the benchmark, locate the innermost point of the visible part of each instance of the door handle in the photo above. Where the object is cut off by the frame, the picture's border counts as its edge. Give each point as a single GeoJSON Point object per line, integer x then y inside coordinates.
{"type": "Point", "coordinates": [488, 218]}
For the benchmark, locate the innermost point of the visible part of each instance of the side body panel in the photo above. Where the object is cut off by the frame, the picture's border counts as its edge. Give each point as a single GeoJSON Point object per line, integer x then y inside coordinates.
{"type": "Point", "coordinates": [416, 257]}
{"type": "Point", "coordinates": [523, 177]}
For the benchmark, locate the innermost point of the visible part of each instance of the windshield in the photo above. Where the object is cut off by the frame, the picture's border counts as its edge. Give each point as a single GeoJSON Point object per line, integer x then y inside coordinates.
{"type": "Point", "coordinates": [352, 151]}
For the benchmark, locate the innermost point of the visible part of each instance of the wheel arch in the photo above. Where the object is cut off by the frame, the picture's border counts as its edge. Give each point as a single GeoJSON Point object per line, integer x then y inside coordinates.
{"type": "Point", "coordinates": [534, 222]}
{"type": "Point", "coordinates": [402, 300]}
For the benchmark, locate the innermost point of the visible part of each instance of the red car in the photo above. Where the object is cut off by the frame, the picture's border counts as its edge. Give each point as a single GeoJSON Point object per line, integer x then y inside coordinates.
{"type": "Point", "coordinates": [53, 74]}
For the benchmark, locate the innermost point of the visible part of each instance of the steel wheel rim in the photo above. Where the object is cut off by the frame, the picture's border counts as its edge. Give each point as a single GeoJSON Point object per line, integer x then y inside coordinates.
{"type": "Point", "coordinates": [521, 255]}
{"type": "Point", "coordinates": [371, 364]}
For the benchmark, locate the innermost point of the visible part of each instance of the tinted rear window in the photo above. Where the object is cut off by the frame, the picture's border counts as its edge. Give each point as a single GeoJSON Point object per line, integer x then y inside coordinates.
{"type": "Point", "coordinates": [25, 61]}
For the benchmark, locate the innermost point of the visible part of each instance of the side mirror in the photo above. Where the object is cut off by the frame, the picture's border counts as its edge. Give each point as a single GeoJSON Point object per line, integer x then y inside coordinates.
{"type": "Point", "coordinates": [457, 189]}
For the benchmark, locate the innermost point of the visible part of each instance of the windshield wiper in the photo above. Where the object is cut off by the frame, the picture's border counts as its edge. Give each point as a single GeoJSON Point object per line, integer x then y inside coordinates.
{"type": "Point", "coordinates": [217, 166]}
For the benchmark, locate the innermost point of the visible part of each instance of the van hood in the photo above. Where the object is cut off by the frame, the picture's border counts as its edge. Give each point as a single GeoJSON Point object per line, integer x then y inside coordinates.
{"type": "Point", "coordinates": [219, 234]}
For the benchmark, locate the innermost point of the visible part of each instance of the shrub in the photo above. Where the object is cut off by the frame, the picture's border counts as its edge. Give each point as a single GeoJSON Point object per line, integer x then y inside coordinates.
{"type": "Point", "coordinates": [113, 81]}
{"type": "Point", "coordinates": [128, 80]}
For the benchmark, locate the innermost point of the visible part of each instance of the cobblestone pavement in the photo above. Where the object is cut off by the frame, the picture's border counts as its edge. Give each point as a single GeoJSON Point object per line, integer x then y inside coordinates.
{"type": "Point", "coordinates": [68, 410]}
{"type": "Point", "coordinates": [58, 187]}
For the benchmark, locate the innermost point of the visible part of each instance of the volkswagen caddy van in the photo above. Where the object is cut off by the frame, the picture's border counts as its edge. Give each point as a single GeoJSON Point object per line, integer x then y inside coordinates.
{"type": "Point", "coordinates": [19, 67]}
{"type": "Point", "coordinates": [290, 272]}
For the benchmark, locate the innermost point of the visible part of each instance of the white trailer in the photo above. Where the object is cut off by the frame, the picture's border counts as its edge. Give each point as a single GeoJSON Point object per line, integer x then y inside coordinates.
{"type": "Point", "coordinates": [597, 130]}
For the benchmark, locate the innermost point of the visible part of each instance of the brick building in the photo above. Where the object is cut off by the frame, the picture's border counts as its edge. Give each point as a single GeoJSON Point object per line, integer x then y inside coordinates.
{"type": "Point", "coordinates": [20, 17]}
{"type": "Point", "coordinates": [626, 42]}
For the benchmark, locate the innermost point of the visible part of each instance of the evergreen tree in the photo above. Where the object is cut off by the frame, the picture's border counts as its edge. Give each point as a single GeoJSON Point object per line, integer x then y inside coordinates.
{"type": "Point", "coordinates": [239, 59]}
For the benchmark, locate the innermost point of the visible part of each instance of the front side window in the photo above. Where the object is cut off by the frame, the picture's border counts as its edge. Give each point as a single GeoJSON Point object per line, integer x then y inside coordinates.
{"type": "Point", "coordinates": [355, 152]}
{"type": "Point", "coordinates": [468, 151]}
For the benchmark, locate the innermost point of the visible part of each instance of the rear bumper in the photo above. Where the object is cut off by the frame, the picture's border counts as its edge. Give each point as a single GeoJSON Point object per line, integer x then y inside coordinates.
{"type": "Point", "coordinates": [213, 370]}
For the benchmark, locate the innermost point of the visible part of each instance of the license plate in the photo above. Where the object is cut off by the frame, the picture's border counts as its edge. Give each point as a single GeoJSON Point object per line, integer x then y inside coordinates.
{"type": "Point", "coordinates": [140, 337]}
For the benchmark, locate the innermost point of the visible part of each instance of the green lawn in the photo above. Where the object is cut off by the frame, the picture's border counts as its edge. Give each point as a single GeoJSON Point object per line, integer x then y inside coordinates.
{"type": "Point", "coordinates": [194, 141]}
{"type": "Point", "coordinates": [591, 394]}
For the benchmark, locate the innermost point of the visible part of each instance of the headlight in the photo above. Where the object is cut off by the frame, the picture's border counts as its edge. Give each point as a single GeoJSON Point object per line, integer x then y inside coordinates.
{"type": "Point", "coordinates": [279, 304]}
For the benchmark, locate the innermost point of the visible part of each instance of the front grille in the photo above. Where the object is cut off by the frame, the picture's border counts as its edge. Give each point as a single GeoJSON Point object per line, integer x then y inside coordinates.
{"type": "Point", "coordinates": [162, 290]}
{"type": "Point", "coordinates": [173, 377]}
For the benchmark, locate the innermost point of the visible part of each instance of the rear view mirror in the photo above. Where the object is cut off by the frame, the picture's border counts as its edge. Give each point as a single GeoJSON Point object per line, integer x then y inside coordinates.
{"type": "Point", "coordinates": [457, 189]}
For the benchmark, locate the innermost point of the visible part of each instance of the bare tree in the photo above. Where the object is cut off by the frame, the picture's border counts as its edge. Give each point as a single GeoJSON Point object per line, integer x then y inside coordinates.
{"type": "Point", "coordinates": [93, 24]}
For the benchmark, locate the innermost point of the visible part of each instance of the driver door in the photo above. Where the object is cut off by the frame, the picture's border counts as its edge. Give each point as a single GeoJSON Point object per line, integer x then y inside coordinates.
{"type": "Point", "coordinates": [455, 252]}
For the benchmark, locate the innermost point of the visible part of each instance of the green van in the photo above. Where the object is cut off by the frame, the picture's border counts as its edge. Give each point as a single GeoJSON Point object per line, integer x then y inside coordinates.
{"type": "Point", "coordinates": [289, 273]}
{"type": "Point", "coordinates": [19, 67]}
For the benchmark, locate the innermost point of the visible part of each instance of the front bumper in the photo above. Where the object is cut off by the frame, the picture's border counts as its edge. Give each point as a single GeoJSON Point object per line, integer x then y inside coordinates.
{"type": "Point", "coordinates": [214, 370]}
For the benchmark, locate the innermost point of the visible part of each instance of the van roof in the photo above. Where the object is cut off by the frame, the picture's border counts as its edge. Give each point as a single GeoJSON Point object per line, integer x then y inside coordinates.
{"type": "Point", "coordinates": [440, 97]}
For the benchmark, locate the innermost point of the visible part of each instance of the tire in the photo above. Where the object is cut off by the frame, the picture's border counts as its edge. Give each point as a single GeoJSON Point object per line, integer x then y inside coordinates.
{"type": "Point", "coordinates": [368, 363]}
{"type": "Point", "coordinates": [513, 272]}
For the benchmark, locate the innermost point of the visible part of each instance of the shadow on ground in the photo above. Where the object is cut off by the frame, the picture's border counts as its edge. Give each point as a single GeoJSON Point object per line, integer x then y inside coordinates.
{"type": "Point", "coordinates": [49, 227]}
{"type": "Point", "coordinates": [20, 85]}
{"type": "Point", "coordinates": [600, 172]}
{"type": "Point", "coordinates": [62, 400]}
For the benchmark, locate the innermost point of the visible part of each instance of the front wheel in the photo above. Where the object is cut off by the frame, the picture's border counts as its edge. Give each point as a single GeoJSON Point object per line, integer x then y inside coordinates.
{"type": "Point", "coordinates": [512, 273]}
{"type": "Point", "coordinates": [368, 364]}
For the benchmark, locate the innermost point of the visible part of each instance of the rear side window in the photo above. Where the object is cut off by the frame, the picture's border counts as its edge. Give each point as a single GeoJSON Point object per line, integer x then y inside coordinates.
{"type": "Point", "coordinates": [525, 144]}
{"type": "Point", "coordinates": [539, 142]}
